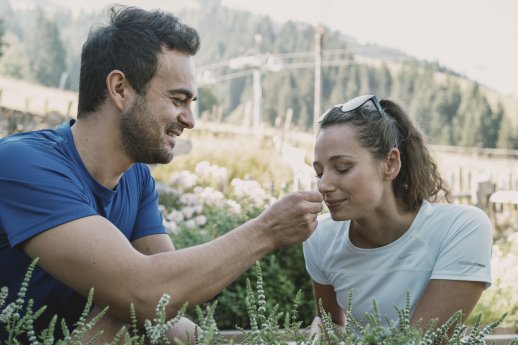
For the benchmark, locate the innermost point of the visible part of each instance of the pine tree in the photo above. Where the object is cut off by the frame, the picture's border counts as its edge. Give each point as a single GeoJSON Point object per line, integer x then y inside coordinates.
{"type": "Point", "coordinates": [46, 52]}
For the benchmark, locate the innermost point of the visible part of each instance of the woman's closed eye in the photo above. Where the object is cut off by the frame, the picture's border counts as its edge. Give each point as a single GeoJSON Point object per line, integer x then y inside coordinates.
{"type": "Point", "coordinates": [343, 170]}
{"type": "Point", "coordinates": [179, 102]}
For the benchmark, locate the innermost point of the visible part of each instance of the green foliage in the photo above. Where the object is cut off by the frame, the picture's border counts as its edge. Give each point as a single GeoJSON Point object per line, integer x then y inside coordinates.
{"type": "Point", "coordinates": [264, 324]}
{"type": "Point", "coordinates": [502, 295]}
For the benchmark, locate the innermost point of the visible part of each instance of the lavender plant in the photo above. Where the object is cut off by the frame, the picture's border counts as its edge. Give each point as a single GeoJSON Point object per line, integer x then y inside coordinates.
{"type": "Point", "coordinates": [18, 318]}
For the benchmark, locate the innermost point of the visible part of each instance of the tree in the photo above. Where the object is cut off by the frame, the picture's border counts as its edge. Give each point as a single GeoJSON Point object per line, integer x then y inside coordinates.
{"type": "Point", "coordinates": [508, 135]}
{"type": "Point", "coordinates": [492, 124]}
{"type": "Point", "coordinates": [444, 108]}
{"type": "Point", "coordinates": [14, 61]}
{"type": "Point", "coordinates": [477, 119]}
{"type": "Point", "coordinates": [1, 35]}
{"type": "Point", "coordinates": [46, 52]}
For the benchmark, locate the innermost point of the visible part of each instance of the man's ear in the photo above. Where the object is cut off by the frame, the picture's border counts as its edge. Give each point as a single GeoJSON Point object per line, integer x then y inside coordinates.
{"type": "Point", "coordinates": [393, 164]}
{"type": "Point", "coordinates": [119, 90]}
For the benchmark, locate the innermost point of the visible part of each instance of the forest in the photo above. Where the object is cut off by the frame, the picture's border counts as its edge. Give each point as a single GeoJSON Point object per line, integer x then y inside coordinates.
{"type": "Point", "coordinates": [43, 44]}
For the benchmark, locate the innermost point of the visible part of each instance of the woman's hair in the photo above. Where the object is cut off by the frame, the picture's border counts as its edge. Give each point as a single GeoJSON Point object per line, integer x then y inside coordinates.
{"type": "Point", "coordinates": [419, 178]}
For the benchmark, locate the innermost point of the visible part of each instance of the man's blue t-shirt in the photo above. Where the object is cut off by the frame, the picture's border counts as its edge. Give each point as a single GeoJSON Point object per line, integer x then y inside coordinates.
{"type": "Point", "coordinates": [44, 183]}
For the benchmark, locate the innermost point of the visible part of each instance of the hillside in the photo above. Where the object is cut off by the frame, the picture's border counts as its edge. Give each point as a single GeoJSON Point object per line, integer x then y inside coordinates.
{"type": "Point", "coordinates": [441, 100]}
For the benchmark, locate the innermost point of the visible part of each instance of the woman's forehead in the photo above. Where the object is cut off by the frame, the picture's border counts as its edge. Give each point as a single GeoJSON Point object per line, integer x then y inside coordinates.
{"type": "Point", "coordinates": [337, 139]}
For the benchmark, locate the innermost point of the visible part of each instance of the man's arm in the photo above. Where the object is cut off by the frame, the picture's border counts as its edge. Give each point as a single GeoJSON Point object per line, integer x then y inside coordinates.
{"type": "Point", "coordinates": [153, 244]}
{"type": "Point", "coordinates": [91, 252]}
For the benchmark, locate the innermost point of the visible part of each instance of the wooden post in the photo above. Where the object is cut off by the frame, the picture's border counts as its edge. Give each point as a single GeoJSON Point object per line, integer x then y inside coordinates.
{"type": "Point", "coordinates": [319, 34]}
{"type": "Point", "coordinates": [287, 125]}
{"type": "Point", "coordinates": [69, 108]}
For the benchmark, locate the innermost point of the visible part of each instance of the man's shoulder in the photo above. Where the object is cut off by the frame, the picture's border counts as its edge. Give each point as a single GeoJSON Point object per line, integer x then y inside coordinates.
{"type": "Point", "coordinates": [27, 142]}
{"type": "Point", "coordinates": [26, 150]}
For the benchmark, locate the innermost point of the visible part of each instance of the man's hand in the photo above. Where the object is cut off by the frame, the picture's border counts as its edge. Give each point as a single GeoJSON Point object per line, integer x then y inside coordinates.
{"type": "Point", "coordinates": [293, 218]}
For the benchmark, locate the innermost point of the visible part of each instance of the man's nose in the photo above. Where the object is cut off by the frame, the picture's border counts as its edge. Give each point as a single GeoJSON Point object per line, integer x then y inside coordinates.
{"type": "Point", "coordinates": [186, 118]}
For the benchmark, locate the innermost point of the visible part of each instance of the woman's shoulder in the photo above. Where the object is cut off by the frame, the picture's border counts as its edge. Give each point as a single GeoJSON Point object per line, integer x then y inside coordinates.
{"type": "Point", "coordinates": [454, 210]}
{"type": "Point", "coordinates": [454, 217]}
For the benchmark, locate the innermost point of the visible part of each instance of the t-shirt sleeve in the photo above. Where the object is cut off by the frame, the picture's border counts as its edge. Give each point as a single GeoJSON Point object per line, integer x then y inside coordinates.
{"type": "Point", "coordinates": [149, 219]}
{"type": "Point", "coordinates": [310, 249]}
{"type": "Point", "coordinates": [465, 253]}
{"type": "Point", "coordinates": [39, 190]}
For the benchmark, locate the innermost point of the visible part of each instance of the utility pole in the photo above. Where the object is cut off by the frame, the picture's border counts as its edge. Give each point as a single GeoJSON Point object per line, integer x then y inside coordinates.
{"type": "Point", "coordinates": [258, 99]}
{"type": "Point", "coordinates": [319, 33]}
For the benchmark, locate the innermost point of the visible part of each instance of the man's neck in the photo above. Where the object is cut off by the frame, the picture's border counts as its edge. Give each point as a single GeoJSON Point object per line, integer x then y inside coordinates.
{"type": "Point", "coordinates": [99, 145]}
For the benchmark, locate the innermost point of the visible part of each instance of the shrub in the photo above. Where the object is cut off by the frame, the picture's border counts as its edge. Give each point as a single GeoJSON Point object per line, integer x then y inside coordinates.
{"type": "Point", "coordinates": [198, 208]}
{"type": "Point", "coordinates": [503, 294]}
{"type": "Point", "coordinates": [196, 212]}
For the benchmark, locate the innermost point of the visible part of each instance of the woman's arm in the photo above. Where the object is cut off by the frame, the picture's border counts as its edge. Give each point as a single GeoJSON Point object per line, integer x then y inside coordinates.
{"type": "Point", "coordinates": [442, 298]}
{"type": "Point", "coordinates": [327, 295]}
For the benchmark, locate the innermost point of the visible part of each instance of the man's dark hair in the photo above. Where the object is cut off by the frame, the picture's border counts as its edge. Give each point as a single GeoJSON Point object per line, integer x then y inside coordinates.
{"type": "Point", "coordinates": [130, 43]}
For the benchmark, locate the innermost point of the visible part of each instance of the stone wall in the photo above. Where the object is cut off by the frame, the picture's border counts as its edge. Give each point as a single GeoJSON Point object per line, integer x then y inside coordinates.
{"type": "Point", "coordinates": [13, 121]}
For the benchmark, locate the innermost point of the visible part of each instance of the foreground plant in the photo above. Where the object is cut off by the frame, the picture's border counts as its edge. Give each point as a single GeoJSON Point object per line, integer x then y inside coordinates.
{"type": "Point", "coordinates": [18, 319]}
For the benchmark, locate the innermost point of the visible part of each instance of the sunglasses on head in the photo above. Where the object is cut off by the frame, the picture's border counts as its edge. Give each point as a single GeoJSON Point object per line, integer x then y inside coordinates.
{"type": "Point", "coordinates": [356, 103]}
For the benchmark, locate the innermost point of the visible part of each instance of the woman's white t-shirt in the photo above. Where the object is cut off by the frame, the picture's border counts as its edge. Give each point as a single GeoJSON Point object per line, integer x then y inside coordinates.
{"type": "Point", "coordinates": [445, 241]}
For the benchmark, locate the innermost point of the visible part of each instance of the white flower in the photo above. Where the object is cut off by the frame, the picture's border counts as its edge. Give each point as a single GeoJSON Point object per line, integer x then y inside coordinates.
{"type": "Point", "coordinates": [187, 212]}
{"type": "Point", "coordinates": [202, 169]}
{"type": "Point", "coordinates": [198, 208]}
{"type": "Point", "coordinates": [190, 224]}
{"type": "Point", "coordinates": [183, 179]}
{"type": "Point", "coordinates": [233, 207]}
{"type": "Point", "coordinates": [171, 227]}
{"type": "Point", "coordinates": [200, 220]}
{"type": "Point", "coordinates": [211, 197]}
{"type": "Point", "coordinates": [188, 199]}
{"type": "Point", "coordinates": [206, 171]}
{"type": "Point", "coordinates": [175, 216]}
{"type": "Point", "coordinates": [249, 189]}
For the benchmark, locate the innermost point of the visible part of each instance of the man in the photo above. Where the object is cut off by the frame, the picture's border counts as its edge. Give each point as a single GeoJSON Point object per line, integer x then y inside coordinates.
{"type": "Point", "coordinates": [81, 199]}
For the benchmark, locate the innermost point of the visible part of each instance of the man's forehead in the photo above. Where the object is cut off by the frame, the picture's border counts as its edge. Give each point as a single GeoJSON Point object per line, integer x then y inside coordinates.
{"type": "Point", "coordinates": [176, 71]}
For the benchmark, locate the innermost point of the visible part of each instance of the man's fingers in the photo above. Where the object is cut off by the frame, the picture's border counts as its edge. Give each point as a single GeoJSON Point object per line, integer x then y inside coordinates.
{"type": "Point", "coordinates": [311, 195]}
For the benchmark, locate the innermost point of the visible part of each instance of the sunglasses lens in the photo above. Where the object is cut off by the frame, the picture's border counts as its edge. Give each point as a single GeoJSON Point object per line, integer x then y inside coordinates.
{"type": "Point", "coordinates": [355, 103]}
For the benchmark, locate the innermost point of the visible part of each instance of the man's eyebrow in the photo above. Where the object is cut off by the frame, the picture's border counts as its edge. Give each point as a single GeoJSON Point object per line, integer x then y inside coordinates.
{"type": "Point", "coordinates": [188, 93]}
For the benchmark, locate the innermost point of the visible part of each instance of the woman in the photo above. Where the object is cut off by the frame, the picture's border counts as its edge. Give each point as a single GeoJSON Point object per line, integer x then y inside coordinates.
{"type": "Point", "coordinates": [385, 234]}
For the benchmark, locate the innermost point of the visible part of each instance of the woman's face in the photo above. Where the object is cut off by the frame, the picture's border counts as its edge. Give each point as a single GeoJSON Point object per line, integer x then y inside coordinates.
{"type": "Point", "coordinates": [349, 178]}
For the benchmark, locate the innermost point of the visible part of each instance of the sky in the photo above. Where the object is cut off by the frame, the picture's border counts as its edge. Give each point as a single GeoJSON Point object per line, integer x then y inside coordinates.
{"type": "Point", "coordinates": [478, 38]}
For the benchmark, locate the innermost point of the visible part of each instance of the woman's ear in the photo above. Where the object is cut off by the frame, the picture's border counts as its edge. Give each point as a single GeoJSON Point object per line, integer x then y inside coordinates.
{"type": "Point", "coordinates": [392, 164]}
{"type": "Point", "coordinates": [119, 90]}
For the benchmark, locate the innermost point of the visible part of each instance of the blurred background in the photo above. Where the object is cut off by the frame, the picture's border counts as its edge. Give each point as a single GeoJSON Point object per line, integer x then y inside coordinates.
{"type": "Point", "coordinates": [266, 70]}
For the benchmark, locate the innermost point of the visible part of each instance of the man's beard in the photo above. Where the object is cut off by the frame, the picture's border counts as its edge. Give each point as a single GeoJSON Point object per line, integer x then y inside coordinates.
{"type": "Point", "coordinates": [142, 135]}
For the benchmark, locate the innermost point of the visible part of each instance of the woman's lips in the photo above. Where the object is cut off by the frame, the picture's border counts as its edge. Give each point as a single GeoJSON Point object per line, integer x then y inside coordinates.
{"type": "Point", "coordinates": [332, 204]}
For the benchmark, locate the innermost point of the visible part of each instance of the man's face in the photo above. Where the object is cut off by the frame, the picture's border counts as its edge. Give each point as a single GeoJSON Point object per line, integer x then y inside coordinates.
{"type": "Point", "coordinates": [149, 128]}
